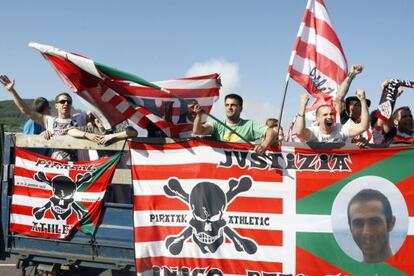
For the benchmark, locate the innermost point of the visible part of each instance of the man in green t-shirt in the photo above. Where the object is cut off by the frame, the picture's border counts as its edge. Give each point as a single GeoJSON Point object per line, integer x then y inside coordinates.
{"type": "Point", "coordinates": [250, 130]}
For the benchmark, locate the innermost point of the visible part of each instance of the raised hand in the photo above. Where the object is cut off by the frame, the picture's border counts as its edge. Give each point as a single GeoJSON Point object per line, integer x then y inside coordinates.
{"type": "Point", "coordinates": [356, 69]}
{"type": "Point", "coordinates": [9, 85]}
{"type": "Point", "coordinates": [360, 93]}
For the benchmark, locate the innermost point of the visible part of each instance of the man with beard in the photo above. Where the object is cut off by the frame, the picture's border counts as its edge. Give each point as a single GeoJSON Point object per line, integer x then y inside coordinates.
{"type": "Point", "coordinates": [250, 130]}
{"type": "Point", "coordinates": [371, 220]}
{"type": "Point", "coordinates": [325, 130]}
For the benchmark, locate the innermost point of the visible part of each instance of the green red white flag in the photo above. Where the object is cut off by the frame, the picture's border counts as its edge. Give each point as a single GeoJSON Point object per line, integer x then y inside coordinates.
{"type": "Point", "coordinates": [120, 95]}
{"type": "Point", "coordinates": [51, 198]}
{"type": "Point", "coordinates": [216, 208]}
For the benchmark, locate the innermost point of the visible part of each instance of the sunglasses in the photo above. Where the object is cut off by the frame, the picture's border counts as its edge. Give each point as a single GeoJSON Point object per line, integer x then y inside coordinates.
{"type": "Point", "coordinates": [65, 101]}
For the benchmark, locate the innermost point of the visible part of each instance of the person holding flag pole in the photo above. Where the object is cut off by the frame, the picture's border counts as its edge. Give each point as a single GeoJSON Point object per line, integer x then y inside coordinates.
{"type": "Point", "coordinates": [234, 129]}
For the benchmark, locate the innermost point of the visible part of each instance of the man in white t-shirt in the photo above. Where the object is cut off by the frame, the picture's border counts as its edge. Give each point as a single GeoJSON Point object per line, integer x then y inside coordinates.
{"type": "Point", "coordinates": [325, 129]}
{"type": "Point", "coordinates": [61, 125]}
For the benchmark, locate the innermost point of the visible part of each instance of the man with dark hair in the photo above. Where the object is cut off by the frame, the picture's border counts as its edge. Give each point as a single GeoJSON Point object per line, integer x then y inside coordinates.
{"type": "Point", "coordinates": [371, 220]}
{"type": "Point", "coordinates": [40, 105]}
{"type": "Point", "coordinates": [401, 129]}
{"type": "Point", "coordinates": [250, 130]}
{"type": "Point", "coordinates": [61, 125]}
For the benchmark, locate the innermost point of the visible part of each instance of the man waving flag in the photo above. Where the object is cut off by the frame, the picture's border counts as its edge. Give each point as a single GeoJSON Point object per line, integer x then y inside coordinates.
{"type": "Point", "coordinates": [120, 95]}
{"type": "Point", "coordinates": [318, 61]}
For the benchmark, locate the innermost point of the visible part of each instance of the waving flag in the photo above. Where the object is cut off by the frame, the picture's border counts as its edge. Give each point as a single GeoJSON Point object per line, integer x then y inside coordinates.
{"type": "Point", "coordinates": [318, 61]}
{"type": "Point", "coordinates": [120, 95]}
{"type": "Point", "coordinates": [217, 208]}
{"type": "Point", "coordinates": [389, 97]}
{"type": "Point", "coordinates": [52, 198]}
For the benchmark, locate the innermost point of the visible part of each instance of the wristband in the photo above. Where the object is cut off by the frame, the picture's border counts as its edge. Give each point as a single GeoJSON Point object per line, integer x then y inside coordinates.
{"type": "Point", "coordinates": [301, 115]}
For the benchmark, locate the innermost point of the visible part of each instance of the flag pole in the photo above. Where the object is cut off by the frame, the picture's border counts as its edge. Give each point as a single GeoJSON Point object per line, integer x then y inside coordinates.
{"type": "Point", "coordinates": [283, 105]}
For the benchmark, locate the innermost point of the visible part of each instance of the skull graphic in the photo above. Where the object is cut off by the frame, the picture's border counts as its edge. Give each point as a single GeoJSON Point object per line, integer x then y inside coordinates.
{"type": "Point", "coordinates": [208, 202]}
{"type": "Point", "coordinates": [61, 203]}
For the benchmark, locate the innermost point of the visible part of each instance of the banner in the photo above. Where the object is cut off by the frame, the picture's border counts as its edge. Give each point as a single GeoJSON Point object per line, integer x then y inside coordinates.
{"type": "Point", "coordinates": [120, 95]}
{"type": "Point", "coordinates": [212, 208]}
{"type": "Point", "coordinates": [51, 197]}
{"type": "Point", "coordinates": [318, 61]}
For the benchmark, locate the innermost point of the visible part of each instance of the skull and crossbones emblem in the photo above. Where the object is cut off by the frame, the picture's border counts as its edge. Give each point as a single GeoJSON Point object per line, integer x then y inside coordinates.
{"type": "Point", "coordinates": [208, 228]}
{"type": "Point", "coordinates": [61, 204]}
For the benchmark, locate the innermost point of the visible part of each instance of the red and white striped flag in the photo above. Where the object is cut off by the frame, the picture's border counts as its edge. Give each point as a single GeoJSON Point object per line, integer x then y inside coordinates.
{"type": "Point", "coordinates": [51, 198]}
{"type": "Point", "coordinates": [318, 61]}
{"type": "Point", "coordinates": [201, 213]}
{"type": "Point", "coordinates": [120, 95]}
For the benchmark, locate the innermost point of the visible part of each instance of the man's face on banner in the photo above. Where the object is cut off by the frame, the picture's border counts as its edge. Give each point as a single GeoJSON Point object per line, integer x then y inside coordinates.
{"type": "Point", "coordinates": [370, 229]}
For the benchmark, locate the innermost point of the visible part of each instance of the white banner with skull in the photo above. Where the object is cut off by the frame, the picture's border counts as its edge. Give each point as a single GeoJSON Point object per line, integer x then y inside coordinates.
{"type": "Point", "coordinates": [51, 198]}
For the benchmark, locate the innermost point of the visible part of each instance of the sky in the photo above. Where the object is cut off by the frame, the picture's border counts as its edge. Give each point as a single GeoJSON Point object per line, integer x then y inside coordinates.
{"type": "Point", "coordinates": [248, 42]}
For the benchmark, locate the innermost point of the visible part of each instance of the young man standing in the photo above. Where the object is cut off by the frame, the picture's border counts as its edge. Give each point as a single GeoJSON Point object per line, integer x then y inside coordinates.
{"type": "Point", "coordinates": [250, 130]}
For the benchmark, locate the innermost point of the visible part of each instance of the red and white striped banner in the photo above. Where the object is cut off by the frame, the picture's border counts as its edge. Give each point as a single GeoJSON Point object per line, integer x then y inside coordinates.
{"type": "Point", "coordinates": [120, 95]}
{"type": "Point", "coordinates": [193, 209]}
{"type": "Point", "coordinates": [213, 208]}
{"type": "Point", "coordinates": [51, 197]}
{"type": "Point", "coordinates": [318, 61]}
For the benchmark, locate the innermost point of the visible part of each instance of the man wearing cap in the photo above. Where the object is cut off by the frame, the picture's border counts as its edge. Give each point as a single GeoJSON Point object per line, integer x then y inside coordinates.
{"type": "Point", "coordinates": [350, 108]}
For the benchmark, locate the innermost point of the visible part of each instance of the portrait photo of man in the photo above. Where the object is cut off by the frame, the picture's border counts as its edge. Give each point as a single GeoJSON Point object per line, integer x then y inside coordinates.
{"type": "Point", "coordinates": [371, 219]}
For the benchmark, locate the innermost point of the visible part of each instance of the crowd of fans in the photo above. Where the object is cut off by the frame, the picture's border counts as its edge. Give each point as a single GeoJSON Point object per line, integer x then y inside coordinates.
{"type": "Point", "coordinates": [345, 120]}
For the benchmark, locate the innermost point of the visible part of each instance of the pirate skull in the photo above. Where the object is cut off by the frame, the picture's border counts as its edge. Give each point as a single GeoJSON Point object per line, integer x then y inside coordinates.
{"type": "Point", "coordinates": [207, 203]}
{"type": "Point", "coordinates": [62, 199]}
{"type": "Point", "coordinates": [61, 203]}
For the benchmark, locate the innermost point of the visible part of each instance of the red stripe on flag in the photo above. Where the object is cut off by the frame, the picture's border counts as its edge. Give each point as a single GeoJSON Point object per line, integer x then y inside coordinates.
{"type": "Point", "coordinates": [256, 205]}
{"type": "Point", "coordinates": [151, 93]}
{"type": "Point", "coordinates": [403, 258]}
{"type": "Point", "coordinates": [309, 264]}
{"type": "Point", "coordinates": [204, 77]}
{"type": "Point", "coordinates": [240, 204]}
{"type": "Point", "coordinates": [406, 189]}
{"type": "Point", "coordinates": [160, 233]}
{"type": "Point", "coordinates": [193, 143]}
{"type": "Point", "coordinates": [225, 265]}
{"type": "Point", "coordinates": [32, 192]}
{"type": "Point", "coordinates": [200, 170]}
{"type": "Point", "coordinates": [330, 68]}
{"type": "Point", "coordinates": [322, 29]}
{"type": "Point", "coordinates": [302, 79]}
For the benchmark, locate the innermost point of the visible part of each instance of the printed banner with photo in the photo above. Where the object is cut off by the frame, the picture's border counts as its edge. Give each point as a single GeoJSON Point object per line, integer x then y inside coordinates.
{"type": "Point", "coordinates": [212, 208]}
{"type": "Point", "coordinates": [51, 197]}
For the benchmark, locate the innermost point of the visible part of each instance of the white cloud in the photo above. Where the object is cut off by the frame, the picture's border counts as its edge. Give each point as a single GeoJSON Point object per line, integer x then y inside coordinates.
{"type": "Point", "coordinates": [253, 109]}
{"type": "Point", "coordinates": [229, 72]}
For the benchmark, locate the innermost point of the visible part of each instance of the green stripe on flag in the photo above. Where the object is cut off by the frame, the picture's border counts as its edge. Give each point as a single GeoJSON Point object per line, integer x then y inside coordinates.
{"type": "Point", "coordinates": [394, 168]}
{"type": "Point", "coordinates": [99, 171]}
{"type": "Point", "coordinates": [325, 247]}
{"type": "Point", "coordinates": [87, 226]}
{"type": "Point", "coordinates": [125, 75]}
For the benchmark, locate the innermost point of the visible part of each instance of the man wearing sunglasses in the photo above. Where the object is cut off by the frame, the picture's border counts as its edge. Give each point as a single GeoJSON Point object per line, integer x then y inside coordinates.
{"type": "Point", "coordinates": [63, 124]}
